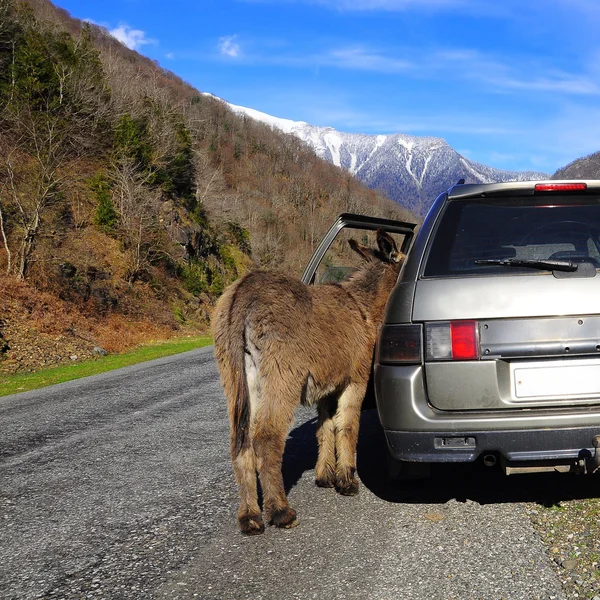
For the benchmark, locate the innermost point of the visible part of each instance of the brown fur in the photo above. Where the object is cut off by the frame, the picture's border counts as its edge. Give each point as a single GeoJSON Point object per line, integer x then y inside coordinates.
{"type": "Point", "coordinates": [279, 342]}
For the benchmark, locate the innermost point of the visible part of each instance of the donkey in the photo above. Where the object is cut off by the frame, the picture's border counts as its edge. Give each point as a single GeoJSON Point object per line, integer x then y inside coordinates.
{"type": "Point", "coordinates": [278, 343]}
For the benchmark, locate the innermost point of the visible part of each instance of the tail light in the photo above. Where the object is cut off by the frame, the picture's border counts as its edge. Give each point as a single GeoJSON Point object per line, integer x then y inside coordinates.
{"type": "Point", "coordinates": [452, 340]}
{"type": "Point", "coordinates": [400, 344]}
{"type": "Point", "coordinates": [560, 187]}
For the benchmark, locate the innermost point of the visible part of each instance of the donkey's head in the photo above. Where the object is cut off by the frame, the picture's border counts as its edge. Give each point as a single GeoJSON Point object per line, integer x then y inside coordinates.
{"type": "Point", "coordinates": [374, 282]}
{"type": "Point", "coordinates": [386, 252]}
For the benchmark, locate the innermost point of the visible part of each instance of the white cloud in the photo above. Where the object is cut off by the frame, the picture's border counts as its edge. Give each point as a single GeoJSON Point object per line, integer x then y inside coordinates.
{"type": "Point", "coordinates": [560, 83]}
{"type": "Point", "coordinates": [132, 38]}
{"type": "Point", "coordinates": [392, 5]}
{"type": "Point", "coordinates": [497, 74]}
{"type": "Point", "coordinates": [482, 7]}
{"type": "Point", "coordinates": [365, 60]}
{"type": "Point", "coordinates": [384, 5]}
{"type": "Point", "coordinates": [528, 75]}
{"type": "Point", "coordinates": [589, 8]}
{"type": "Point", "coordinates": [229, 47]}
{"type": "Point", "coordinates": [489, 72]}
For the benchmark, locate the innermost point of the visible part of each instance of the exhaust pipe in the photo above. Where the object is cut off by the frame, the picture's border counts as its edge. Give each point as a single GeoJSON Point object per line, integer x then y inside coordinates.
{"type": "Point", "coordinates": [489, 460]}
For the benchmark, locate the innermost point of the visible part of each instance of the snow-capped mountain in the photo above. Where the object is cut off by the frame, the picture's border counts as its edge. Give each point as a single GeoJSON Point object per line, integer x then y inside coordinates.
{"type": "Point", "coordinates": [411, 170]}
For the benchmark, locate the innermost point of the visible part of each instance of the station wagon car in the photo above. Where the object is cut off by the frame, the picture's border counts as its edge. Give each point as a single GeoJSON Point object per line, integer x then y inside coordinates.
{"type": "Point", "coordinates": [490, 346]}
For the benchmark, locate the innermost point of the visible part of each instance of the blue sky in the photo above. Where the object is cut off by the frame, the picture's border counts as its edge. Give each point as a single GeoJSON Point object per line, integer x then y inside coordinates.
{"type": "Point", "coordinates": [513, 84]}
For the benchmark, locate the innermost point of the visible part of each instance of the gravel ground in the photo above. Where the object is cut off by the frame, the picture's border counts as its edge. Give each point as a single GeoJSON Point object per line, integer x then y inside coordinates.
{"type": "Point", "coordinates": [570, 530]}
{"type": "Point", "coordinates": [120, 486]}
{"type": "Point", "coordinates": [564, 510]}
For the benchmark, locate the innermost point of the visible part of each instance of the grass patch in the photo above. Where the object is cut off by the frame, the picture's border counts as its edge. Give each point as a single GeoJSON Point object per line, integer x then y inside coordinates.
{"type": "Point", "coordinates": [23, 382]}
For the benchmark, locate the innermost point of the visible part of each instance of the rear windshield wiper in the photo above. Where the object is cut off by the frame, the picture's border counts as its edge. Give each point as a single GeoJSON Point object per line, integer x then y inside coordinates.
{"type": "Point", "coordinates": [545, 265]}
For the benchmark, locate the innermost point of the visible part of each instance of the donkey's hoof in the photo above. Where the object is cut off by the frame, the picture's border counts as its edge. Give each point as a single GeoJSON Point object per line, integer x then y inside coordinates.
{"type": "Point", "coordinates": [324, 482]}
{"type": "Point", "coordinates": [347, 488]}
{"type": "Point", "coordinates": [285, 518]}
{"type": "Point", "coordinates": [251, 525]}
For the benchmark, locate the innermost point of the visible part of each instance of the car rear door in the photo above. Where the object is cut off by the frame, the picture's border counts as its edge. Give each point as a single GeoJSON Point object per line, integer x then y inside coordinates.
{"type": "Point", "coordinates": [349, 224]}
{"type": "Point", "coordinates": [333, 260]}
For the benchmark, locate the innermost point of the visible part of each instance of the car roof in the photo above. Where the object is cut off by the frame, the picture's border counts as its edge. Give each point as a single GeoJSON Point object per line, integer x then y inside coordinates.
{"type": "Point", "coordinates": [479, 190]}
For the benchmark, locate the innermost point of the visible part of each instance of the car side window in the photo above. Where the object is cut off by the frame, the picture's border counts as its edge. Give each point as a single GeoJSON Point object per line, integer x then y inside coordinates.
{"type": "Point", "coordinates": [592, 248]}
{"type": "Point", "coordinates": [340, 261]}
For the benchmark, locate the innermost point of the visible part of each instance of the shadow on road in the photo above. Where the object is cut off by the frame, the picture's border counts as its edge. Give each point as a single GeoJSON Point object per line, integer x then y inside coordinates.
{"type": "Point", "coordinates": [460, 481]}
{"type": "Point", "coordinates": [300, 453]}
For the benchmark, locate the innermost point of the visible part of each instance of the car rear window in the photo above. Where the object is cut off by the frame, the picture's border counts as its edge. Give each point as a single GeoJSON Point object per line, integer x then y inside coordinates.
{"type": "Point", "coordinates": [528, 228]}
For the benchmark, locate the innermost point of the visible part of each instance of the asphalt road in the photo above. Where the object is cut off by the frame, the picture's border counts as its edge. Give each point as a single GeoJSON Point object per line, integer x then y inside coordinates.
{"type": "Point", "coordinates": [120, 486]}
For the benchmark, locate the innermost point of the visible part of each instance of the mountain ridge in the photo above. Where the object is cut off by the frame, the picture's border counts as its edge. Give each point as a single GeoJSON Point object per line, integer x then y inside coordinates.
{"type": "Point", "coordinates": [412, 170]}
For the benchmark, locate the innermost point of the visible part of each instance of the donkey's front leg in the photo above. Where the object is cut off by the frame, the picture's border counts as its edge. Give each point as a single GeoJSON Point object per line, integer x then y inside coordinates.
{"type": "Point", "coordinates": [346, 419]}
{"type": "Point", "coordinates": [325, 469]}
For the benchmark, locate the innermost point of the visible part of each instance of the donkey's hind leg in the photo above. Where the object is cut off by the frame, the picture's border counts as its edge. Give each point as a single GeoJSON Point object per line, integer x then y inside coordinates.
{"type": "Point", "coordinates": [244, 462]}
{"type": "Point", "coordinates": [269, 443]}
{"type": "Point", "coordinates": [249, 514]}
{"type": "Point", "coordinates": [325, 469]}
{"type": "Point", "coordinates": [347, 419]}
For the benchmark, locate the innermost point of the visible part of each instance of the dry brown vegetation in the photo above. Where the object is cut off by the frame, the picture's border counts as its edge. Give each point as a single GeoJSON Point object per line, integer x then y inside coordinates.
{"type": "Point", "coordinates": [129, 200]}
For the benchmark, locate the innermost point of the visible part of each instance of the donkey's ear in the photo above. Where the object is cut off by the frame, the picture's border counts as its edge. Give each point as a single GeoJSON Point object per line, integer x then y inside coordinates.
{"type": "Point", "coordinates": [364, 251]}
{"type": "Point", "coordinates": [387, 247]}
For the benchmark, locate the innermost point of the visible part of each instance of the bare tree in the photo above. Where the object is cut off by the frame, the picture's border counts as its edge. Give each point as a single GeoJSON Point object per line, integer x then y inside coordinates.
{"type": "Point", "coordinates": [137, 207]}
{"type": "Point", "coordinates": [3, 189]}
{"type": "Point", "coordinates": [43, 124]}
{"type": "Point", "coordinates": [30, 184]}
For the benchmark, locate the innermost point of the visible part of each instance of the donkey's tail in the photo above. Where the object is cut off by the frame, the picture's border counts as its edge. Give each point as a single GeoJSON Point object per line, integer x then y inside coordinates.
{"type": "Point", "coordinates": [229, 336]}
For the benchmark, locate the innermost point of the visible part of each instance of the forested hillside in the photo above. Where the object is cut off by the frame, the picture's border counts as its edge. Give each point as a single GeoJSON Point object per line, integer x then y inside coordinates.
{"type": "Point", "coordinates": [129, 200]}
{"type": "Point", "coordinates": [586, 167]}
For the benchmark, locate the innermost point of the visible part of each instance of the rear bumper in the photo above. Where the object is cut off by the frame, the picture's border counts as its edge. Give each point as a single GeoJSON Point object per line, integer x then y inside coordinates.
{"type": "Point", "coordinates": [515, 446]}
{"type": "Point", "coordinates": [417, 432]}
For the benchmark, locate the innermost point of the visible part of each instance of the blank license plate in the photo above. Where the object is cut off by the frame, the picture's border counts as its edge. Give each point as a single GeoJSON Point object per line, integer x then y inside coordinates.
{"type": "Point", "coordinates": [575, 378]}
